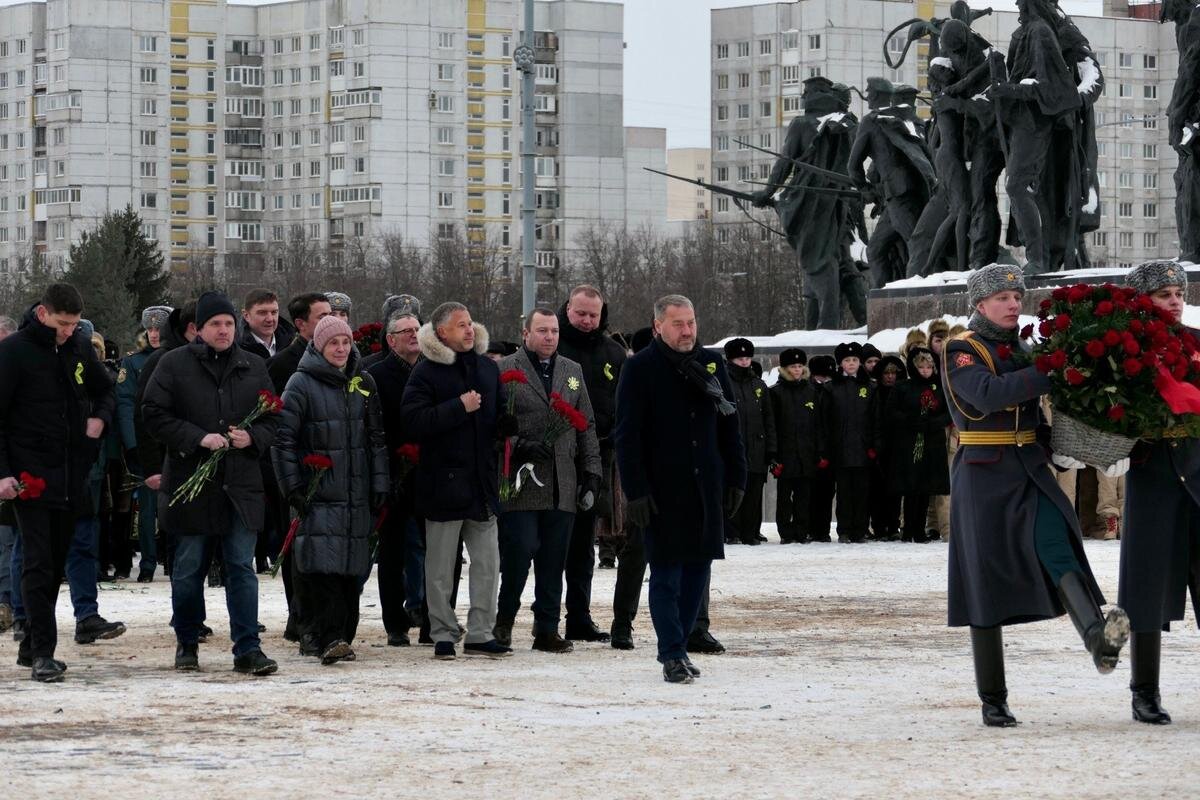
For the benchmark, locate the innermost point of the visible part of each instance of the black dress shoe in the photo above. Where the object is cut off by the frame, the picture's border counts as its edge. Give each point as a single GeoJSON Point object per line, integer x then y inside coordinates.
{"type": "Point", "coordinates": [1147, 708]}
{"type": "Point", "coordinates": [309, 646]}
{"type": "Point", "coordinates": [703, 642]}
{"type": "Point", "coordinates": [187, 657]}
{"type": "Point", "coordinates": [336, 652]}
{"type": "Point", "coordinates": [995, 712]}
{"type": "Point", "coordinates": [552, 643]}
{"type": "Point", "coordinates": [587, 632]}
{"type": "Point", "coordinates": [621, 639]}
{"type": "Point", "coordinates": [675, 671]}
{"type": "Point", "coordinates": [26, 660]}
{"type": "Point", "coordinates": [47, 670]}
{"type": "Point", "coordinates": [205, 632]}
{"type": "Point", "coordinates": [254, 663]}
{"type": "Point", "coordinates": [398, 640]}
{"type": "Point", "coordinates": [692, 668]}
{"type": "Point", "coordinates": [145, 576]}
{"type": "Point", "coordinates": [503, 633]}
{"type": "Point", "coordinates": [96, 627]}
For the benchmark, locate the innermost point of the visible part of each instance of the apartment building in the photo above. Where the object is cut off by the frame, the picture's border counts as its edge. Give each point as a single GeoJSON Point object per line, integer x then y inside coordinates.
{"type": "Point", "coordinates": [685, 201]}
{"type": "Point", "coordinates": [761, 55]}
{"type": "Point", "coordinates": [237, 129]}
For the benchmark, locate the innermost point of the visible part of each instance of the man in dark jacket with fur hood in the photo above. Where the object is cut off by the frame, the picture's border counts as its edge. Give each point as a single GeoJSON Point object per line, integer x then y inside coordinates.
{"type": "Point", "coordinates": [197, 397]}
{"type": "Point", "coordinates": [56, 401]}
{"type": "Point", "coordinates": [452, 404]}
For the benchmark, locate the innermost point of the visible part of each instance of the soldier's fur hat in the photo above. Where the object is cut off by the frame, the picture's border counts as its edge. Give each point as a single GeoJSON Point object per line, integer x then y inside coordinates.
{"type": "Point", "coordinates": [993, 278]}
{"type": "Point", "coordinates": [1151, 276]}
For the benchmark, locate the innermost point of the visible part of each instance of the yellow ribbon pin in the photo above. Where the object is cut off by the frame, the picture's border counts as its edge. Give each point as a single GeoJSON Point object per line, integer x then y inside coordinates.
{"type": "Point", "coordinates": [809, 404]}
{"type": "Point", "coordinates": [712, 368]}
{"type": "Point", "coordinates": [356, 386]}
{"type": "Point", "coordinates": [862, 392]}
{"type": "Point", "coordinates": [79, 373]}
{"type": "Point", "coordinates": [758, 392]}
{"type": "Point", "coordinates": [573, 383]}
{"type": "Point", "coordinates": [608, 373]}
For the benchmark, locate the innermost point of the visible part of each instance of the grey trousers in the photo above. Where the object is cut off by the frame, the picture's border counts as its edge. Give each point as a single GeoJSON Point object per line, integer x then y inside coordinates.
{"type": "Point", "coordinates": [441, 553]}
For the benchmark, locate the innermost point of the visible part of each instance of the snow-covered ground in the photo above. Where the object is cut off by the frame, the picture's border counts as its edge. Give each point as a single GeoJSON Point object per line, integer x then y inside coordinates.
{"type": "Point", "coordinates": [841, 680]}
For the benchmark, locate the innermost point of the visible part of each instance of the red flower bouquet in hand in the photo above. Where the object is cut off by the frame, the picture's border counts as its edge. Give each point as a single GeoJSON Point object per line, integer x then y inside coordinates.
{"type": "Point", "coordinates": [268, 403]}
{"type": "Point", "coordinates": [29, 487]}
{"type": "Point", "coordinates": [319, 464]}
{"type": "Point", "coordinates": [930, 404]}
{"type": "Point", "coordinates": [511, 378]}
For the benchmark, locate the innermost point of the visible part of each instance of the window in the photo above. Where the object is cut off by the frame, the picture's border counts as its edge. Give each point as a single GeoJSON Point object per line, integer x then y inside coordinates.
{"type": "Point", "coordinates": [1150, 240]}
{"type": "Point", "coordinates": [445, 199]}
{"type": "Point", "coordinates": [1125, 239]}
{"type": "Point", "coordinates": [149, 200]}
{"type": "Point", "coordinates": [246, 76]}
{"type": "Point", "coordinates": [20, 79]}
{"type": "Point", "coordinates": [791, 105]}
{"type": "Point", "coordinates": [210, 83]}
{"type": "Point", "coordinates": [360, 165]}
{"type": "Point", "coordinates": [244, 106]}
{"type": "Point", "coordinates": [1149, 62]}
{"type": "Point", "coordinates": [355, 194]}
{"type": "Point", "coordinates": [764, 140]}
{"type": "Point", "coordinates": [277, 47]}
{"type": "Point", "coordinates": [1150, 91]}
{"type": "Point", "coordinates": [336, 36]}
{"type": "Point", "coordinates": [445, 72]}
{"type": "Point", "coordinates": [722, 144]}
{"type": "Point", "coordinates": [1125, 180]}
{"type": "Point", "coordinates": [246, 231]}
{"type": "Point", "coordinates": [764, 47]}
{"type": "Point", "coordinates": [1100, 238]}
{"type": "Point", "coordinates": [1126, 90]}
{"type": "Point", "coordinates": [544, 167]}
{"type": "Point", "coordinates": [1126, 149]}
{"type": "Point", "coordinates": [1125, 60]}
{"type": "Point", "coordinates": [791, 40]}
{"type": "Point", "coordinates": [297, 200]}
{"type": "Point", "coordinates": [337, 163]}
{"type": "Point", "coordinates": [360, 69]}
{"type": "Point", "coordinates": [744, 172]}
{"type": "Point", "coordinates": [60, 136]}
{"type": "Point", "coordinates": [445, 135]}
{"type": "Point", "coordinates": [722, 113]}
{"type": "Point", "coordinates": [295, 74]}
{"type": "Point", "coordinates": [149, 75]}
{"type": "Point", "coordinates": [723, 82]}
{"type": "Point", "coordinates": [210, 205]}
{"type": "Point", "coordinates": [147, 44]}
{"type": "Point", "coordinates": [297, 43]}
{"type": "Point", "coordinates": [277, 77]}
{"type": "Point", "coordinates": [60, 41]}
{"type": "Point", "coordinates": [244, 169]}
{"type": "Point", "coordinates": [60, 73]}
{"type": "Point", "coordinates": [1150, 180]}
{"type": "Point", "coordinates": [295, 105]}
{"type": "Point", "coordinates": [722, 51]}
{"type": "Point", "coordinates": [743, 49]}
{"type": "Point", "coordinates": [1124, 210]}
{"type": "Point", "coordinates": [211, 50]}
{"type": "Point", "coordinates": [148, 169]}
{"type": "Point", "coordinates": [764, 77]}
{"type": "Point", "coordinates": [1150, 210]}
{"type": "Point", "coordinates": [314, 136]}
{"type": "Point", "coordinates": [764, 108]}
{"type": "Point", "coordinates": [1149, 123]}
{"type": "Point", "coordinates": [314, 41]}
{"type": "Point", "coordinates": [791, 75]}
{"type": "Point", "coordinates": [276, 108]}
{"type": "Point", "coordinates": [20, 47]}
{"type": "Point", "coordinates": [314, 169]}
{"type": "Point", "coordinates": [506, 203]}
{"type": "Point", "coordinates": [546, 74]}
{"type": "Point", "coordinates": [1149, 151]}
{"type": "Point", "coordinates": [314, 105]}
{"type": "Point", "coordinates": [743, 111]}
{"type": "Point", "coordinates": [297, 171]}
{"type": "Point", "coordinates": [210, 174]}
{"type": "Point", "coordinates": [814, 41]}
{"type": "Point", "coordinates": [721, 174]}
{"type": "Point", "coordinates": [149, 107]}
{"type": "Point", "coordinates": [445, 103]}
{"type": "Point", "coordinates": [743, 80]}
{"type": "Point", "coordinates": [360, 36]}
{"type": "Point", "coordinates": [445, 41]}
{"type": "Point", "coordinates": [337, 133]}
{"type": "Point", "coordinates": [337, 68]}
{"type": "Point", "coordinates": [294, 137]}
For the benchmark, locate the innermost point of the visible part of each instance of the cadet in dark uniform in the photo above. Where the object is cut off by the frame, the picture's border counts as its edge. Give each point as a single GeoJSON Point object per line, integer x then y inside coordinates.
{"type": "Point", "coordinates": [756, 418]}
{"type": "Point", "coordinates": [1160, 551]}
{"type": "Point", "coordinates": [1016, 554]}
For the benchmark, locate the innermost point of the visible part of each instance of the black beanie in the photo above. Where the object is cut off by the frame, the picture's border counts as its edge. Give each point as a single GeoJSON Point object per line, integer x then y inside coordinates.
{"type": "Point", "coordinates": [870, 351]}
{"type": "Point", "coordinates": [739, 348]}
{"type": "Point", "coordinates": [822, 366]}
{"type": "Point", "coordinates": [847, 350]}
{"type": "Point", "coordinates": [212, 304]}
{"type": "Point", "coordinates": [641, 339]}
{"type": "Point", "coordinates": [793, 355]}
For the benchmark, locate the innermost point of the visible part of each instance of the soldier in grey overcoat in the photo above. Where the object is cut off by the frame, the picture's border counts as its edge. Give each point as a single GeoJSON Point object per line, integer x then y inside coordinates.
{"type": "Point", "coordinates": [1016, 554]}
{"type": "Point", "coordinates": [1160, 551]}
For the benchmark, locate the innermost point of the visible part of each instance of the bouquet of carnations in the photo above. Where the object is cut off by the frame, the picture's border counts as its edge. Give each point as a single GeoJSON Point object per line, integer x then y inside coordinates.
{"type": "Point", "coordinates": [509, 483]}
{"type": "Point", "coordinates": [930, 404]}
{"type": "Point", "coordinates": [367, 338]}
{"type": "Point", "coordinates": [267, 404]}
{"type": "Point", "coordinates": [1121, 369]}
{"type": "Point", "coordinates": [319, 464]}
{"type": "Point", "coordinates": [30, 487]}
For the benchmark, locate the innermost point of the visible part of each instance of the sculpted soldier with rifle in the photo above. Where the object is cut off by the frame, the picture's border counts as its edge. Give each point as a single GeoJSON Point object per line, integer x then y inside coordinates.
{"type": "Point", "coordinates": [1183, 120]}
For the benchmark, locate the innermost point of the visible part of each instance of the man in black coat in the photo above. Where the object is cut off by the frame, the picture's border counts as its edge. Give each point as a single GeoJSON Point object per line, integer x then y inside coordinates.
{"type": "Point", "coordinates": [682, 466]}
{"type": "Point", "coordinates": [820, 515]}
{"type": "Point", "coordinates": [56, 401]}
{"type": "Point", "coordinates": [585, 340]}
{"type": "Point", "coordinates": [452, 404]}
{"type": "Point", "coordinates": [794, 399]}
{"type": "Point", "coordinates": [849, 440]}
{"type": "Point", "coordinates": [391, 376]}
{"type": "Point", "coordinates": [197, 398]}
{"type": "Point", "coordinates": [264, 334]}
{"type": "Point", "coordinates": [305, 311]}
{"type": "Point", "coordinates": [756, 418]}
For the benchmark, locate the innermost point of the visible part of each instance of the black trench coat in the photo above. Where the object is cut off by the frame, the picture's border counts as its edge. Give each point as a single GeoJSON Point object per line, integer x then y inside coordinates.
{"type": "Point", "coordinates": [995, 577]}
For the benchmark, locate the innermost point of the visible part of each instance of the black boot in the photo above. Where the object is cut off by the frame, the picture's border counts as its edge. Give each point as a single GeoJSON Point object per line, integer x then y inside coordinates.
{"type": "Point", "coordinates": [87, 631]}
{"type": "Point", "coordinates": [1145, 654]}
{"type": "Point", "coordinates": [187, 657]}
{"type": "Point", "coordinates": [503, 632]}
{"type": "Point", "coordinates": [987, 647]}
{"type": "Point", "coordinates": [47, 670]}
{"type": "Point", "coordinates": [704, 642]}
{"type": "Point", "coordinates": [621, 636]}
{"type": "Point", "coordinates": [551, 643]}
{"type": "Point", "coordinates": [1102, 636]}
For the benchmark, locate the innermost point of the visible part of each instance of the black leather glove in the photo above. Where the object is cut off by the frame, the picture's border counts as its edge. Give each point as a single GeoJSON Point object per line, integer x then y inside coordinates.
{"type": "Point", "coordinates": [507, 425]}
{"type": "Point", "coordinates": [639, 511]}
{"type": "Point", "coordinates": [529, 450]}
{"type": "Point", "coordinates": [587, 492]}
{"type": "Point", "coordinates": [733, 500]}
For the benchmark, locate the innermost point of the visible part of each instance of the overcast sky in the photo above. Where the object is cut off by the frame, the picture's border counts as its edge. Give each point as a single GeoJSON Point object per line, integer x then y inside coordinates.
{"type": "Point", "coordinates": [667, 61]}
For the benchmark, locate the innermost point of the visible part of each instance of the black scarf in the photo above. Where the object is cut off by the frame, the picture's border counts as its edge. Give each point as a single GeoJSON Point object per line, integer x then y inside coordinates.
{"type": "Point", "coordinates": [696, 376]}
{"type": "Point", "coordinates": [990, 330]}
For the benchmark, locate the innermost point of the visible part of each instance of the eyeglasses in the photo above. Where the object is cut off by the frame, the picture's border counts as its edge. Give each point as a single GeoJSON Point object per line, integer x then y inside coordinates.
{"type": "Point", "coordinates": [405, 332]}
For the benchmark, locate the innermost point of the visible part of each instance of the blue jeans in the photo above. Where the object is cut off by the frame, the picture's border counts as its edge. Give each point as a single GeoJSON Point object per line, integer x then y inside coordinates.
{"type": "Point", "coordinates": [241, 586]}
{"type": "Point", "coordinates": [6, 583]}
{"type": "Point", "coordinates": [676, 590]}
{"type": "Point", "coordinates": [147, 526]}
{"type": "Point", "coordinates": [414, 566]}
{"type": "Point", "coordinates": [82, 567]}
{"type": "Point", "coordinates": [542, 537]}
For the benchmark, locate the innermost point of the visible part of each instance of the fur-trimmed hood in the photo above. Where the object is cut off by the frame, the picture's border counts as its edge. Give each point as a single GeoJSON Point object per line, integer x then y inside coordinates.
{"type": "Point", "coordinates": [436, 351]}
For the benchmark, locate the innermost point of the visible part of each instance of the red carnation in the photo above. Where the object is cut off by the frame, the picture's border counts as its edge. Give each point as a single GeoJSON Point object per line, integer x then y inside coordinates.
{"type": "Point", "coordinates": [1074, 376]}
{"type": "Point", "coordinates": [1027, 331]}
{"type": "Point", "coordinates": [317, 461]}
{"type": "Point", "coordinates": [1104, 308]}
{"type": "Point", "coordinates": [1042, 364]}
{"type": "Point", "coordinates": [1046, 304]}
{"type": "Point", "coordinates": [1180, 371]}
{"type": "Point", "coordinates": [410, 453]}
{"type": "Point", "coordinates": [1062, 322]}
{"type": "Point", "coordinates": [513, 376]}
{"type": "Point", "coordinates": [1046, 329]}
{"type": "Point", "coordinates": [1095, 348]}
{"type": "Point", "coordinates": [1133, 367]}
{"type": "Point", "coordinates": [1135, 326]}
{"type": "Point", "coordinates": [1058, 359]}
{"type": "Point", "coordinates": [30, 487]}
{"type": "Point", "coordinates": [1076, 295]}
{"type": "Point", "coordinates": [1132, 347]}
{"type": "Point", "coordinates": [376, 347]}
{"type": "Point", "coordinates": [1058, 294]}
{"type": "Point", "coordinates": [1111, 338]}
{"type": "Point", "coordinates": [1116, 413]}
{"type": "Point", "coordinates": [1004, 351]}
{"type": "Point", "coordinates": [1149, 359]}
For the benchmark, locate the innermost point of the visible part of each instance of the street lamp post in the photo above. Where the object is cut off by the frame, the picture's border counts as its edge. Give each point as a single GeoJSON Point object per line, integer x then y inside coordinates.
{"type": "Point", "coordinates": [523, 57]}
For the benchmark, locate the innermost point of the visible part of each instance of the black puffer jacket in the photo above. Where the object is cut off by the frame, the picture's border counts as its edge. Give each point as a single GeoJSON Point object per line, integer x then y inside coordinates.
{"type": "Point", "coordinates": [797, 411]}
{"type": "Point", "coordinates": [47, 393]}
{"type": "Point", "coordinates": [849, 430]}
{"type": "Point", "coordinates": [191, 395]}
{"type": "Point", "coordinates": [601, 359]}
{"type": "Point", "coordinates": [332, 412]}
{"type": "Point", "coordinates": [755, 416]}
{"type": "Point", "coordinates": [907, 418]}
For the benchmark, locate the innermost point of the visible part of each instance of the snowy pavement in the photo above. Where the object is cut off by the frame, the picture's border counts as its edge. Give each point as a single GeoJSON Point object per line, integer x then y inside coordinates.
{"type": "Point", "coordinates": [841, 681]}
